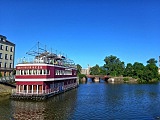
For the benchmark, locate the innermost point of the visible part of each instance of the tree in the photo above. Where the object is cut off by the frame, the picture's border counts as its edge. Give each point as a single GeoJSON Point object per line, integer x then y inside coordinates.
{"type": "Point", "coordinates": [148, 73]}
{"type": "Point", "coordinates": [128, 70]}
{"type": "Point", "coordinates": [97, 70]}
{"type": "Point", "coordinates": [138, 69]}
{"type": "Point", "coordinates": [79, 68]}
{"type": "Point", "coordinates": [152, 61]}
{"type": "Point", "coordinates": [102, 71]}
{"type": "Point", "coordinates": [151, 70]}
{"type": "Point", "coordinates": [114, 66]}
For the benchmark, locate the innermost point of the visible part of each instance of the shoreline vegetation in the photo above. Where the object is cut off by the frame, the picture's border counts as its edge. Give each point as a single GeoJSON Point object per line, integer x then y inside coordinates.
{"type": "Point", "coordinates": [127, 73]}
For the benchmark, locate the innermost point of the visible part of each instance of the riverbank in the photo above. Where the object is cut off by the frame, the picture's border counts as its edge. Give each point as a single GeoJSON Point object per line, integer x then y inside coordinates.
{"type": "Point", "coordinates": [5, 90]}
{"type": "Point", "coordinates": [122, 80]}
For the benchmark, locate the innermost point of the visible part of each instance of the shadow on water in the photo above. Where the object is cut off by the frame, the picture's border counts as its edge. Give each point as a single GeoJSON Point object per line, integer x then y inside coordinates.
{"type": "Point", "coordinates": [56, 108]}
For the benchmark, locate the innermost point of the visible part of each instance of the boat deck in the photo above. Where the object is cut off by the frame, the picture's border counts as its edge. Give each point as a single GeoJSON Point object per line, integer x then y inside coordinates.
{"type": "Point", "coordinates": [38, 97]}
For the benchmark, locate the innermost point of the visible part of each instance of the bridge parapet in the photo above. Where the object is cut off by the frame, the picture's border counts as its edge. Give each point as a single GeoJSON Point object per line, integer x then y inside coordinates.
{"type": "Point", "coordinates": [98, 77]}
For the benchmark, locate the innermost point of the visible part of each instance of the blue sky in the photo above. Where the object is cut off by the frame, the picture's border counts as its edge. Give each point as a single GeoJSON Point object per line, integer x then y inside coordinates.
{"type": "Point", "coordinates": [85, 30]}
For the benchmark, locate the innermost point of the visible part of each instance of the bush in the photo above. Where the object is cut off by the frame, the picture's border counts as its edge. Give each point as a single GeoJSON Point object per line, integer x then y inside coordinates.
{"type": "Point", "coordinates": [141, 81]}
{"type": "Point", "coordinates": [125, 79]}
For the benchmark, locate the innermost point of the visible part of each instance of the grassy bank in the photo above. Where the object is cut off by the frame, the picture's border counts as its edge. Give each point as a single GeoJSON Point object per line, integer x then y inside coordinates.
{"type": "Point", "coordinates": [5, 90]}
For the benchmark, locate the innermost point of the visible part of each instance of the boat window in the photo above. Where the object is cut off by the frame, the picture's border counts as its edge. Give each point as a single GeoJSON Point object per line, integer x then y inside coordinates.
{"type": "Point", "coordinates": [34, 72]}
{"type": "Point", "coordinates": [30, 72]}
{"type": "Point", "coordinates": [41, 72]}
{"type": "Point", "coordinates": [68, 72]}
{"type": "Point", "coordinates": [44, 72]}
{"type": "Point", "coordinates": [17, 72]}
{"type": "Point", "coordinates": [48, 72]}
{"type": "Point", "coordinates": [56, 72]}
{"type": "Point", "coordinates": [20, 72]}
{"type": "Point", "coordinates": [24, 72]}
{"type": "Point", "coordinates": [29, 88]}
{"type": "Point", "coordinates": [38, 72]}
{"type": "Point", "coordinates": [27, 72]}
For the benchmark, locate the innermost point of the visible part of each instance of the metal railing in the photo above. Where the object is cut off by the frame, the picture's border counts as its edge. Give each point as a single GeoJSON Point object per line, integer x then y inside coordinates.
{"type": "Point", "coordinates": [7, 79]}
{"type": "Point", "coordinates": [43, 92]}
{"type": "Point", "coordinates": [33, 61]}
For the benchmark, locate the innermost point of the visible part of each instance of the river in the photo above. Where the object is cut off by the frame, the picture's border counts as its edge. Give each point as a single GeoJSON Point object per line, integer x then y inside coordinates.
{"type": "Point", "coordinates": [90, 101]}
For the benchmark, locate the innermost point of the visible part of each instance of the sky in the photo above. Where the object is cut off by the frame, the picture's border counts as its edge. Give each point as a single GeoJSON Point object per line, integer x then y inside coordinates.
{"type": "Point", "coordinates": [85, 31]}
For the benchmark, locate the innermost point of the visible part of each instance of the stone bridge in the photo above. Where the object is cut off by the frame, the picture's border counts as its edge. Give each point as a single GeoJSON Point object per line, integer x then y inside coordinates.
{"type": "Point", "coordinates": [96, 78]}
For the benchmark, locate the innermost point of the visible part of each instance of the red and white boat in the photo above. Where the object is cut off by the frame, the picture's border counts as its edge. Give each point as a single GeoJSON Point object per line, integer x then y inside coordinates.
{"type": "Point", "coordinates": [48, 74]}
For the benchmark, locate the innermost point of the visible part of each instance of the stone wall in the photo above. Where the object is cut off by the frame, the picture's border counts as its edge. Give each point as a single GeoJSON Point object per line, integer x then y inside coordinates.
{"type": "Point", "coordinates": [122, 80]}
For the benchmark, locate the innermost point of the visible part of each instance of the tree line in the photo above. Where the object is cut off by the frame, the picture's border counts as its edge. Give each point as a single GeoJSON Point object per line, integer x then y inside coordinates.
{"type": "Point", "coordinates": [115, 67]}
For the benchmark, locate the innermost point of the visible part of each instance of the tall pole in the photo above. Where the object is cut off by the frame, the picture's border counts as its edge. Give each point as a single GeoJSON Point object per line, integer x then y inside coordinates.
{"type": "Point", "coordinates": [38, 51]}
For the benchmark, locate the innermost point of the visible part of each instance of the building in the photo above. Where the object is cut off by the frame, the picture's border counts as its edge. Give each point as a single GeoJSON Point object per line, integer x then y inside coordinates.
{"type": "Point", "coordinates": [7, 53]}
{"type": "Point", "coordinates": [86, 71]}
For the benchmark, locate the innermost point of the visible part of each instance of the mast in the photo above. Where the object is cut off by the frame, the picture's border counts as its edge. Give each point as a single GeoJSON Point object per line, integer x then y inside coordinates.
{"type": "Point", "coordinates": [38, 51]}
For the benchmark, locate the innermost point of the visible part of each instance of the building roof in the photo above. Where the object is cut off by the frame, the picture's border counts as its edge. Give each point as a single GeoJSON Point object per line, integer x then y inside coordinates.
{"type": "Point", "coordinates": [3, 39]}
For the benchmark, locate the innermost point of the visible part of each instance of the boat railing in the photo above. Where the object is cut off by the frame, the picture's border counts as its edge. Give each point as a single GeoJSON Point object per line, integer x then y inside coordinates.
{"type": "Point", "coordinates": [43, 92]}
{"type": "Point", "coordinates": [39, 61]}
{"type": "Point", "coordinates": [34, 92]}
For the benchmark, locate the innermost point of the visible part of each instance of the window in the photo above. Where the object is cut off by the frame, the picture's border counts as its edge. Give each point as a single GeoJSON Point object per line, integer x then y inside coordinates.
{"type": "Point", "coordinates": [17, 72]}
{"type": "Point", "coordinates": [10, 66]}
{"type": "Point", "coordinates": [0, 64]}
{"type": "Point", "coordinates": [1, 47]}
{"type": "Point", "coordinates": [48, 72]}
{"type": "Point", "coordinates": [6, 48]}
{"type": "Point", "coordinates": [5, 65]}
{"type": "Point", "coordinates": [10, 57]}
{"type": "Point", "coordinates": [6, 57]}
{"type": "Point", "coordinates": [1, 56]}
{"type": "Point", "coordinates": [11, 49]}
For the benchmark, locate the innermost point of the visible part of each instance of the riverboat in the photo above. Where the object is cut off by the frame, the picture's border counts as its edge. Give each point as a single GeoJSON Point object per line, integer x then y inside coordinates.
{"type": "Point", "coordinates": [46, 75]}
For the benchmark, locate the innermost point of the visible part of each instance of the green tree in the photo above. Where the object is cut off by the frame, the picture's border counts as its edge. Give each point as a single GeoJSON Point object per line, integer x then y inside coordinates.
{"type": "Point", "coordinates": [95, 70]}
{"type": "Point", "coordinates": [152, 61]}
{"type": "Point", "coordinates": [128, 72]}
{"type": "Point", "coordinates": [79, 68]}
{"type": "Point", "coordinates": [102, 71]}
{"type": "Point", "coordinates": [151, 71]}
{"type": "Point", "coordinates": [148, 73]}
{"type": "Point", "coordinates": [114, 66]}
{"type": "Point", "coordinates": [138, 69]}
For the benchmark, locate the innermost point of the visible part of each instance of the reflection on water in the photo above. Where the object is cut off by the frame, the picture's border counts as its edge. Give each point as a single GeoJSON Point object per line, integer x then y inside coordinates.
{"type": "Point", "coordinates": [28, 110]}
{"type": "Point", "coordinates": [95, 101]}
{"type": "Point", "coordinates": [5, 111]}
{"type": "Point", "coordinates": [55, 108]}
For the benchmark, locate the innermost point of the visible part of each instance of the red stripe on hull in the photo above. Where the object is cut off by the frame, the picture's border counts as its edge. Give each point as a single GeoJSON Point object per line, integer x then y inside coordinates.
{"type": "Point", "coordinates": [29, 83]}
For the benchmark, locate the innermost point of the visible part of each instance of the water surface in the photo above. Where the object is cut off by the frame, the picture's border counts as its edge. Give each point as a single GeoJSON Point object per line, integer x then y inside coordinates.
{"type": "Point", "coordinates": [91, 101]}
